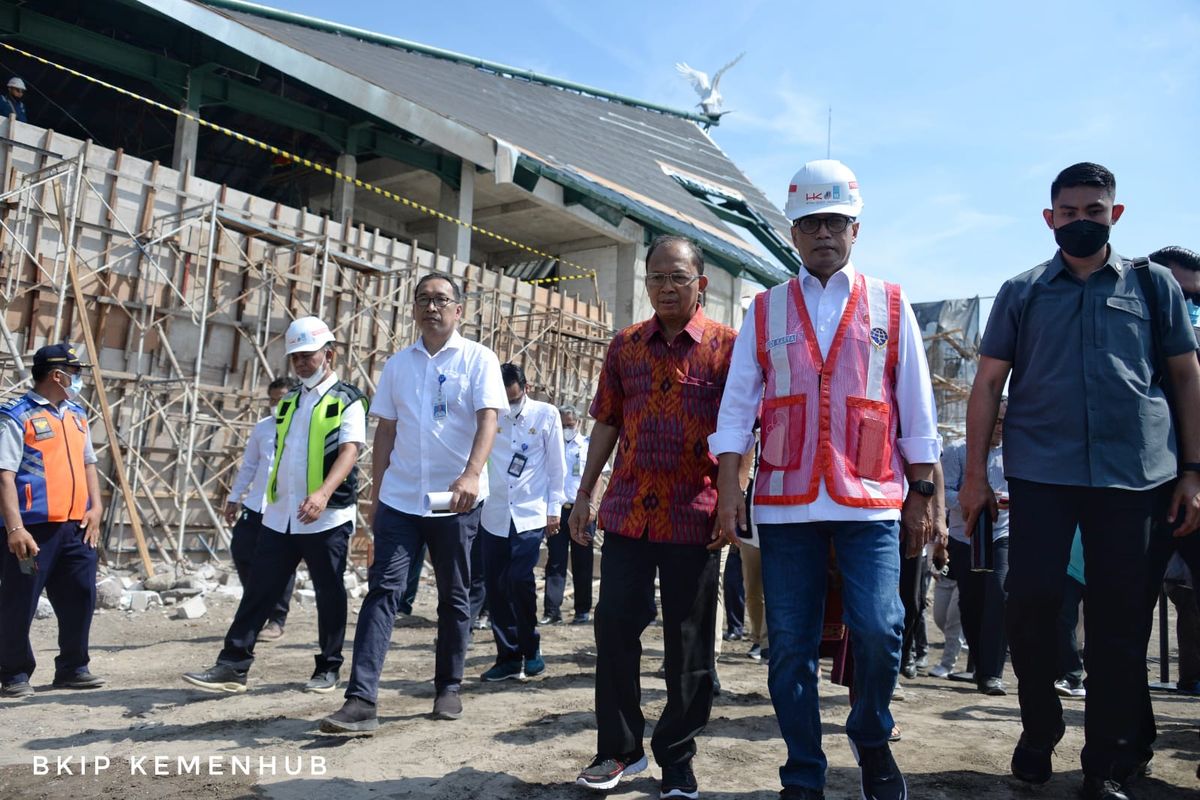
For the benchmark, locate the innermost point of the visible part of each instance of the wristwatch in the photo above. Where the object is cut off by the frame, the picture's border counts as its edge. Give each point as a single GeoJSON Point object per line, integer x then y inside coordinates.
{"type": "Point", "coordinates": [926, 488]}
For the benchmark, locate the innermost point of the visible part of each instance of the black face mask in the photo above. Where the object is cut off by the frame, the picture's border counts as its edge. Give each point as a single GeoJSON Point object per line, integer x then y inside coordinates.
{"type": "Point", "coordinates": [1082, 238]}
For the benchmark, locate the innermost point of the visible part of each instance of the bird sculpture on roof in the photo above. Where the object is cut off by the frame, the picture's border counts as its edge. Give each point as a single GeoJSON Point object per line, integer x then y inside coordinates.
{"type": "Point", "coordinates": [710, 97]}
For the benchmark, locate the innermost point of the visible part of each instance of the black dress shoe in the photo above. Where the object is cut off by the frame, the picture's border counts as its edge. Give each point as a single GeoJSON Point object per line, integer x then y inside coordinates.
{"type": "Point", "coordinates": [1031, 759]}
{"type": "Point", "coordinates": [801, 793]}
{"type": "Point", "coordinates": [1102, 789]}
{"type": "Point", "coordinates": [993, 687]}
{"type": "Point", "coordinates": [355, 716]}
{"type": "Point", "coordinates": [80, 680]}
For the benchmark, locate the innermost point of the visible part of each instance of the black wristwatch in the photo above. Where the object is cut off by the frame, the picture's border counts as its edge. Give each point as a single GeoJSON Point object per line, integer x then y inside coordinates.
{"type": "Point", "coordinates": [926, 488]}
{"type": "Point", "coordinates": [1189, 466]}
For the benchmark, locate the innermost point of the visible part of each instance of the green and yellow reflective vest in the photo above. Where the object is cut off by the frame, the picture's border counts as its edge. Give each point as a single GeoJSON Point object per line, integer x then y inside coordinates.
{"type": "Point", "coordinates": [323, 444]}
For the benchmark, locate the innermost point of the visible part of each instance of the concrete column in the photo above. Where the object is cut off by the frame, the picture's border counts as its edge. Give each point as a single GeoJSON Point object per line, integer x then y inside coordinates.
{"type": "Point", "coordinates": [343, 191]}
{"type": "Point", "coordinates": [454, 240]}
{"type": "Point", "coordinates": [628, 284]}
{"type": "Point", "coordinates": [187, 136]}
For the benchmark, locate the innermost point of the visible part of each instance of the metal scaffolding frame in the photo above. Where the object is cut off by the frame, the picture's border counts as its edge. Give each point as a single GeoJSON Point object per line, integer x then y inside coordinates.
{"type": "Point", "coordinates": [188, 288]}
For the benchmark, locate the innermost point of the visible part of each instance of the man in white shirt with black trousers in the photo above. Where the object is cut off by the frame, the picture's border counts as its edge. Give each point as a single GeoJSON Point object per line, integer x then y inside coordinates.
{"type": "Point", "coordinates": [527, 470]}
{"type": "Point", "coordinates": [243, 509]}
{"type": "Point", "coordinates": [311, 507]}
{"type": "Point", "coordinates": [435, 408]}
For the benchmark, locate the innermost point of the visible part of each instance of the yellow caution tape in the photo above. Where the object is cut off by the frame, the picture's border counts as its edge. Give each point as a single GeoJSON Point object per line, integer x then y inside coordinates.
{"type": "Point", "coordinates": [584, 272]}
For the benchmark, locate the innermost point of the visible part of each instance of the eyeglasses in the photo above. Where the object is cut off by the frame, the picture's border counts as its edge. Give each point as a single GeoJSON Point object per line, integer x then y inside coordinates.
{"type": "Point", "coordinates": [437, 301]}
{"type": "Point", "coordinates": [657, 279]}
{"type": "Point", "coordinates": [834, 224]}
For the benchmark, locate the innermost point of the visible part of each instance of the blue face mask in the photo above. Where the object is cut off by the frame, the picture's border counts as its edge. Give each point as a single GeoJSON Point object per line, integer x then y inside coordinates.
{"type": "Point", "coordinates": [75, 387]}
{"type": "Point", "coordinates": [1194, 313]}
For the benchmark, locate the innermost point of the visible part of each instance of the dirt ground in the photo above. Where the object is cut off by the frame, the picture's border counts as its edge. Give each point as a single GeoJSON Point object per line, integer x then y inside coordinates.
{"type": "Point", "coordinates": [514, 741]}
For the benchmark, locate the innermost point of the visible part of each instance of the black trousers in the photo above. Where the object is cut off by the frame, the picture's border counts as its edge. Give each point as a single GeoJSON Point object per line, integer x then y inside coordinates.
{"type": "Point", "coordinates": [981, 599]}
{"type": "Point", "coordinates": [914, 594]}
{"type": "Point", "coordinates": [477, 587]}
{"type": "Point", "coordinates": [275, 561]}
{"type": "Point", "coordinates": [1118, 529]}
{"type": "Point", "coordinates": [66, 570]}
{"type": "Point", "coordinates": [1164, 544]}
{"type": "Point", "coordinates": [409, 596]}
{"type": "Point", "coordinates": [1070, 658]}
{"type": "Point", "coordinates": [688, 588]}
{"type": "Point", "coordinates": [733, 587]}
{"type": "Point", "coordinates": [241, 548]}
{"type": "Point", "coordinates": [582, 559]}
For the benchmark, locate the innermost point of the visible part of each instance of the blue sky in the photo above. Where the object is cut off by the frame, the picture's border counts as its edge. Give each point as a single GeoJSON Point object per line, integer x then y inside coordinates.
{"type": "Point", "coordinates": [955, 116]}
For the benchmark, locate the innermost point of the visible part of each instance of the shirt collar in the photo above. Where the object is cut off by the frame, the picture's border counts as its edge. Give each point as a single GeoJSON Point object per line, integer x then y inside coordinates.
{"type": "Point", "coordinates": [521, 409]}
{"type": "Point", "coordinates": [42, 401]}
{"type": "Point", "coordinates": [322, 387]}
{"type": "Point", "coordinates": [694, 328]}
{"type": "Point", "coordinates": [453, 343]}
{"type": "Point", "coordinates": [1057, 266]}
{"type": "Point", "coordinates": [846, 273]}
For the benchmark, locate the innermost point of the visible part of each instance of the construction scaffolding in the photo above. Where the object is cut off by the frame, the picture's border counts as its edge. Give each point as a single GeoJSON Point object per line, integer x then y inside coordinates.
{"type": "Point", "coordinates": [950, 329]}
{"type": "Point", "coordinates": [187, 287]}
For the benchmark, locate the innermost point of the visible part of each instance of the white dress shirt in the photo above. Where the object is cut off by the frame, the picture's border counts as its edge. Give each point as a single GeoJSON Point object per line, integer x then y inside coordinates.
{"type": "Point", "coordinates": [533, 432]}
{"type": "Point", "coordinates": [292, 478]}
{"type": "Point", "coordinates": [575, 452]}
{"type": "Point", "coordinates": [250, 483]}
{"type": "Point", "coordinates": [431, 451]}
{"type": "Point", "coordinates": [920, 442]}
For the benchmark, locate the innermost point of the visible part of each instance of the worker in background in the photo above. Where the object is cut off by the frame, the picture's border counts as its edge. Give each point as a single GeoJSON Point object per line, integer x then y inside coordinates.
{"type": "Point", "coordinates": [12, 102]}
{"type": "Point", "coordinates": [244, 507]}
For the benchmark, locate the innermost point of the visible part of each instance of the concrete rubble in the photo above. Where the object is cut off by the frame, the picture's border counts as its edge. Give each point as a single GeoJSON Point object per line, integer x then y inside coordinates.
{"type": "Point", "coordinates": [180, 591]}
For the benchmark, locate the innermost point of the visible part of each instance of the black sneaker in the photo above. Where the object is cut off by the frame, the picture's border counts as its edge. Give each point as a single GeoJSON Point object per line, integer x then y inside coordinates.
{"type": "Point", "coordinates": [993, 687]}
{"type": "Point", "coordinates": [881, 778]}
{"type": "Point", "coordinates": [219, 678]}
{"type": "Point", "coordinates": [80, 680]}
{"type": "Point", "coordinates": [447, 705]}
{"type": "Point", "coordinates": [16, 689]}
{"type": "Point", "coordinates": [755, 653]}
{"type": "Point", "coordinates": [322, 681]}
{"type": "Point", "coordinates": [1031, 759]}
{"type": "Point", "coordinates": [355, 716]}
{"type": "Point", "coordinates": [582, 618]}
{"type": "Point", "coordinates": [605, 772]}
{"type": "Point", "coordinates": [1102, 789]}
{"type": "Point", "coordinates": [678, 780]}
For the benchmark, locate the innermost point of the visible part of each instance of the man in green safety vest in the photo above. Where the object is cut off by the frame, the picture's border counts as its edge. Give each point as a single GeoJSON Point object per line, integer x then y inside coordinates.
{"type": "Point", "coordinates": [311, 498]}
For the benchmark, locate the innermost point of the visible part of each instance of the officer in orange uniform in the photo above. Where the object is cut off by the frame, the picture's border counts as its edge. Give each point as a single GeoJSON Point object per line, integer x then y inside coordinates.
{"type": "Point", "coordinates": [50, 502]}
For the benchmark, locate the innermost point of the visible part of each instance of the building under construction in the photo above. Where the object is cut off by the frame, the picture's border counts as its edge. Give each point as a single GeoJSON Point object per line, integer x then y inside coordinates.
{"type": "Point", "coordinates": [198, 174]}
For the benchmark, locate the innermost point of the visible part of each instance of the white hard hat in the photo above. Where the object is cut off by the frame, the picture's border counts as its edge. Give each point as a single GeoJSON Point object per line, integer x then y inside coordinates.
{"type": "Point", "coordinates": [16, 83]}
{"type": "Point", "coordinates": [306, 335]}
{"type": "Point", "coordinates": [826, 186]}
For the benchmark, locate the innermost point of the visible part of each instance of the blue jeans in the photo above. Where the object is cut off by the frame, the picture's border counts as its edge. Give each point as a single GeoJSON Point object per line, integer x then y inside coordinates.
{"type": "Point", "coordinates": [795, 562]}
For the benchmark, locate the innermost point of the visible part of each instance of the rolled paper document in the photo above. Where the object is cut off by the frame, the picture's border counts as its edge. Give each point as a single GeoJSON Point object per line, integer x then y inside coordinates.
{"type": "Point", "coordinates": [438, 502]}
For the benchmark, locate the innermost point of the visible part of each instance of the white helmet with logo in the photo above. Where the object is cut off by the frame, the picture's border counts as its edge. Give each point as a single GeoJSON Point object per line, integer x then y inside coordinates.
{"type": "Point", "coordinates": [826, 186]}
{"type": "Point", "coordinates": [306, 335]}
{"type": "Point", "coordinates": [16, 83]}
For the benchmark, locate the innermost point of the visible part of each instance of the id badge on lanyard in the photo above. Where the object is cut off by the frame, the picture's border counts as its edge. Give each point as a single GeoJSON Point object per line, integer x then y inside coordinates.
{"type": "Point", "coordinates": [517, 465]}
{"type": "Point", "coordinates": [576, 468]}
{"type": "Point", "coordinates": [440, 409]}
